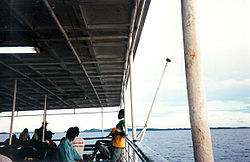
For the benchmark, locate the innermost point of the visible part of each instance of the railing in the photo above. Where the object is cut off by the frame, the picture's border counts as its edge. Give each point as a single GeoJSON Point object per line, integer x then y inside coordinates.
{"type": "Point", "coordinates": [131, 150]}
{"type": "Point", "coordinates": [144, 153]}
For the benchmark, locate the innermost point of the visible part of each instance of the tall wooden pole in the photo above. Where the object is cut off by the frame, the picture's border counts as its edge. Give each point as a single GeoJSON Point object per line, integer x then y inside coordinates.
{"type": "Point", "coordinates": [13, 111]}
{"type": "Point", "coordinates": [196, 92]}
{"type": "Point", "coordinates": [44, 117]}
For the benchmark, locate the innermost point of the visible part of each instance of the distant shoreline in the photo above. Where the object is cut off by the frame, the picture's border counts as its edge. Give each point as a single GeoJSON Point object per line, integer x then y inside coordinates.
{"type": "Point", "coordinates": [167, 129]}
{"type": "Point", "coordinates": [148, 129]}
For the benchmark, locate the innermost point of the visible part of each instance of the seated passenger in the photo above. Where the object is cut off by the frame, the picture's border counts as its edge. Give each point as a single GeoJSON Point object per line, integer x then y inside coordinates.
{"type": "Point", "coordinates": [40, 130]}
{"type": "Point", "coordinates": [114, 148]}
{"type": "Point", "coordinates": [118, 138]}
{"type": "Point", "coordinates": [15, 141]}
{"type": "Point", "coordinates": [24, 136]}
{"type": "Point", "coordinates": [35, 135]}
{"type": "Point", "coordinates": [65, 150]}
{"type": "Point", "coordinates": [104, 147]}
{"type": "Point", "coordinates": [78, 143]}
{"type": "Point", "coordinates": [51, 145]}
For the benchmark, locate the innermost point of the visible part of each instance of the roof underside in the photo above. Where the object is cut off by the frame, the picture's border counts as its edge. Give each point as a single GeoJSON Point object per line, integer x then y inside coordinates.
{"type": "Point", "coordinates": [88, 74]}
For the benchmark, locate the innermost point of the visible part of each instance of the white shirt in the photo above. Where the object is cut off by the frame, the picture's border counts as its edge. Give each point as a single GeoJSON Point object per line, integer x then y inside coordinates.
{"type": "Point", "coordinates": [78, 145]}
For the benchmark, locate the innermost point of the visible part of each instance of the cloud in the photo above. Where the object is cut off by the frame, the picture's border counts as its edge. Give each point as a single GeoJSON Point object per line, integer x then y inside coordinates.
{"type": "Point", "coordinates": [226, 90]}
{"type": "Point", "coordinates": [227, 119]}
{"type": "Point", "coordinates": [226, 105]}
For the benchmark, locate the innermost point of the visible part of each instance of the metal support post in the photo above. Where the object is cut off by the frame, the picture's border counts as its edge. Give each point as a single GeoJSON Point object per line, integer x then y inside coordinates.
{"type": "Point", "coordinates": [124, 107]}
{"type": "Point", "coordinates": [132, 107]}
{"type": "Point", "coordinates": [13, 111]}
{"type": "Point", "coordinates": [44, 117]}
{"type": "Point", "coordinates": [196, 92]}
{"type": "Point", "coordinates": [102, 122]}
{"type": "Point", "coordinates": [125, 118]}
{"type": "Point", "coordinates": [129, 154]}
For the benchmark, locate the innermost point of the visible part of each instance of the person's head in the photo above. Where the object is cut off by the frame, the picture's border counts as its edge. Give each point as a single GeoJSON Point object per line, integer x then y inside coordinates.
{"type": "Point", "coordinates": [71, 134]}
{"type": "Point", "coordinates": [26, 130]}
{"type": "Point", "coordinates": [48, 135]}
{"type": "Point", "coordinates": [36, 130]}
{"type": "Point", "coordinates": [77, 130]}
{"type": "Point", "coordinates": [121, 114]}
{"type": "Point", "coordinates": [14, 136]}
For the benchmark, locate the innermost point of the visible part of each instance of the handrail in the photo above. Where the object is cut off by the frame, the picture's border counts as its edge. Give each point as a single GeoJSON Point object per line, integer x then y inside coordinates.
{"type": "Point", "coordinates": [89, 138]}
{"type": "Point", "coordinates": [143, 152]}
{"type": "Point", "coordinates": [138, 151]}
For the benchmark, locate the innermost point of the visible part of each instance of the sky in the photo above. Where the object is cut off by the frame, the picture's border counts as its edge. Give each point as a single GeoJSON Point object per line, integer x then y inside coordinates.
{"type": "Point", "coordinates": [225, 49]}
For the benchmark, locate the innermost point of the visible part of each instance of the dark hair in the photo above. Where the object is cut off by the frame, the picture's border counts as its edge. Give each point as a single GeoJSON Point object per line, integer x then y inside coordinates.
{"type": "Point", "coordinates": [14, 136]}
{"type": "Point", "coordinates": [121, 114]}
{"type": "Point", "coordinates": [26, 130]}
{"type": "Point", "coordinates": [71, 134]}
{"type": "Point", "coordinates": [77, 130]}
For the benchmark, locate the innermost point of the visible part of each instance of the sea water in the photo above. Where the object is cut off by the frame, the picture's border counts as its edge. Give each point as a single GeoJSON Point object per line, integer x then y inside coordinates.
{"type": "Point", "coordinates": [229, 145]}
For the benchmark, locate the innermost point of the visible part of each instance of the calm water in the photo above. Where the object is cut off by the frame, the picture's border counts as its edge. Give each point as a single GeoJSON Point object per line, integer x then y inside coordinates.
{"type": "Point", "coordinates": [229, 145]}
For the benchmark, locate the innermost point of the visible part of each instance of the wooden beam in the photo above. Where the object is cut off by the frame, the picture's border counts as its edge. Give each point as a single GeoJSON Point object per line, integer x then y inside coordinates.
{"type": "Point", "coordinates": [115, 37]}
{"type": "Point", "coordinates": [67, 63]}
{"type": "Point", "coordinates": [108, 26]}
{"type": "Point", "coordinates": [102, 2]}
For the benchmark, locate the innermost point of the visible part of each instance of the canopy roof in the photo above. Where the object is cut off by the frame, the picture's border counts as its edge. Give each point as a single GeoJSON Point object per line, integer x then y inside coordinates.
{"type": "Point", "coordinates": [84, 47]}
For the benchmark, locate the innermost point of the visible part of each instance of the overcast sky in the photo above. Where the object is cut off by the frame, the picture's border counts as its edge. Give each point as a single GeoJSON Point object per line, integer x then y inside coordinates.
{"type": "Point", "coordinates": [225, 50]}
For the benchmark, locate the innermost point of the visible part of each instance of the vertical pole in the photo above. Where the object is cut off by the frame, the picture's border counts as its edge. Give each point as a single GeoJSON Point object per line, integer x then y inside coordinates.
{"type": "Point", "coordinates": [131, 99]}
{"type": "Point", "coordinates": [125, 118]}
{"type": "Point", "coordinates": [44, 117]}
{"type": "Point", "coordinates": [13, 111]}
{"type": "Point", "coordinates": [124, 107]}
{"type": "Point", "coordinates": [196, 92]}
{"type": "Point", "coordinates": [102, 122]}
{"type": "Point", "coordinates": [129, 154]}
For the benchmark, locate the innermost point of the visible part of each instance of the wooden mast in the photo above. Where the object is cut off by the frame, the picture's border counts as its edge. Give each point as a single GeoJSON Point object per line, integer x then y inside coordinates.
{"type": "Point", "coordinates": [196, 92]}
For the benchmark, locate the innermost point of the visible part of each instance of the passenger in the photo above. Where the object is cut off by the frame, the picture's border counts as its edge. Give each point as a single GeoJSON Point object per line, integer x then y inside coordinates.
{"type": "Point", "coordinates": [114, 148]}
{"type": "Point", "coordinates": [78, 143]}
{"type": "Point", "coordinates": [65, 150]}
{"type": "Point", "coordinates": [118, 138]}
{"type": "Point", "coordinates": [35, 135]}
{"type": "Point", "coordinates": [40, 131]}
{"type": "Point", "coordinates": [51, 145]}
{"type": "Point", "coordinates": [15, 141]}
{"type": "Point", "coordinates": [24, 136]}
{"type": "Point", "coordinates": [104, 147]}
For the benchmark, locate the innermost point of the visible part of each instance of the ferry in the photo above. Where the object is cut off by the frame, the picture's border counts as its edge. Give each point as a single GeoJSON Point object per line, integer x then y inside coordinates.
{"type": "Point", "coordinates": [72, 54]}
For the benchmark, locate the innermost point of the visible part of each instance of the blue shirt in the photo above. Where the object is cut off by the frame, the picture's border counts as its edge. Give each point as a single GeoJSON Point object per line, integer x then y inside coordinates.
{"type": "Point", "coordinates": [66, 152]}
